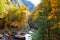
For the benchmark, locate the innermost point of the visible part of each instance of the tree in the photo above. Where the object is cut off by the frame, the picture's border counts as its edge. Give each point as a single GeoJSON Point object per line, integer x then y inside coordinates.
{"type": "Point", "coordinates": [48, 21]}
{"type": "Point", "coordinates": [2, 8]}
{"type": "Point", "coordinates": [12, 14]}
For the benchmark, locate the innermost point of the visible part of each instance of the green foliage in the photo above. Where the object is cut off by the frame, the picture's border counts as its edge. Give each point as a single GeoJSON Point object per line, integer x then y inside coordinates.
{"type": "Point", "coordinates": [2, 8]}
{"type": "Point", "coordinates": [11, 14]}
{"type": "Point", "coordinates": [9, 3]}
{"type": "Point", "coordinates": [46, 27]}
{"type": "Point", "coordinates": [14, 15]}
{"type": "Point", "coordinates": [1, 15]}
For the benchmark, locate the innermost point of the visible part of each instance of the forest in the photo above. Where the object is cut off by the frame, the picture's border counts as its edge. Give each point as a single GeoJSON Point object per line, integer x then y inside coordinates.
{"type": "Point", "coordinates": [44, 19]}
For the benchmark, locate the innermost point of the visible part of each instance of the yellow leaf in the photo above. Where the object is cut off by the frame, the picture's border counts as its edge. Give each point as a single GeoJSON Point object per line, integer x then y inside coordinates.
{"type": "Point", "coordinates": [50, 17]}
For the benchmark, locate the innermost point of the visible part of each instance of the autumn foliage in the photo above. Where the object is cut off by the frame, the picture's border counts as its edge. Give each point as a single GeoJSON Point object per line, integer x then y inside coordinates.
{"type": "Point", "coordinates": [13, 15]}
